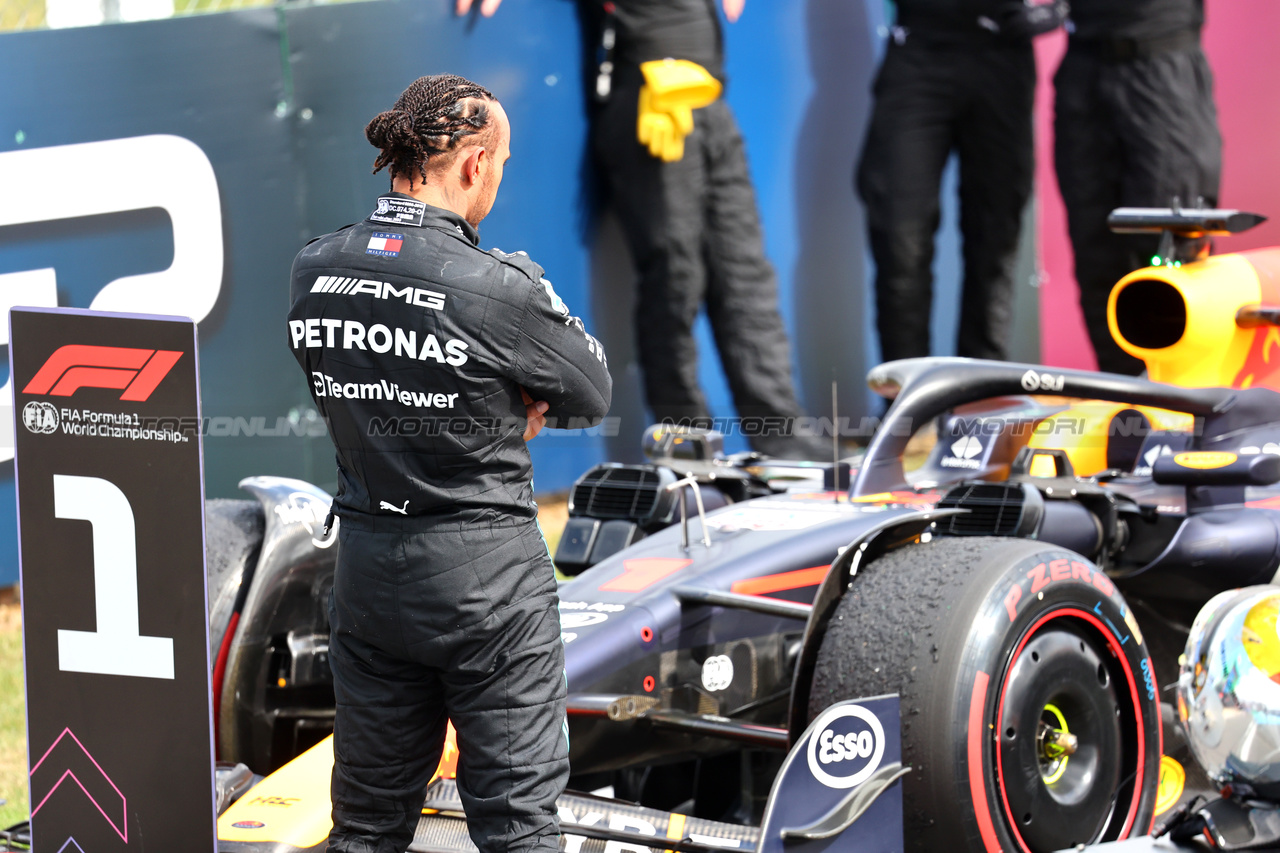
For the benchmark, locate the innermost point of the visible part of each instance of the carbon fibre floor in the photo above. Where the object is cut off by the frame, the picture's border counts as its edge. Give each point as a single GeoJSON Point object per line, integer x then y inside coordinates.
{"type": "Point", "coordinates": [445, 831]}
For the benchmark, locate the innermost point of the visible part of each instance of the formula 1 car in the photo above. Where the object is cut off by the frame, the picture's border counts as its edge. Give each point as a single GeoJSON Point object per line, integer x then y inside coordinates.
{"type": "Point", "coordinates": [1023, 592]}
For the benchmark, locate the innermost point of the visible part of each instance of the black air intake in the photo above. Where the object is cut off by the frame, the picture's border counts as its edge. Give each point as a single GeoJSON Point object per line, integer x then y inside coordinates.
{"type": "Point", "coordinates": [995, 509]}
{"type": "Point", "coordinates": [616, 491]}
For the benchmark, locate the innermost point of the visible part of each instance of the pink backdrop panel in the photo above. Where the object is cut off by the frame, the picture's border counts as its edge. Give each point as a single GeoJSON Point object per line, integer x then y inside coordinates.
{"type": "Point", "coordinates": [1240, 42]}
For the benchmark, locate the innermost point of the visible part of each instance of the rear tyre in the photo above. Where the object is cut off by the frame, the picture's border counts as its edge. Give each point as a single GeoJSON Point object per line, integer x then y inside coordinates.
{"type": "Point", "coordinates": [233, 539]}
{"type": "Point", "coordinates": [1029, 707]}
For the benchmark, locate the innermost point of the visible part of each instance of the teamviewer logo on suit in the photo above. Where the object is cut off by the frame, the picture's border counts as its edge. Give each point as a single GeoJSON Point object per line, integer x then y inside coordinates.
{"type": "Point", "coordinates": [847, 746]}
{"type": "Point", "coordinates": [76, 366]}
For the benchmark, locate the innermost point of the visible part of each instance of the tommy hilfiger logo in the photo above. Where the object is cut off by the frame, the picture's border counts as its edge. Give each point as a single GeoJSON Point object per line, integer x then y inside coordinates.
{"type": "Point", "coordinates": [385, 245]}
{"type": "Point", "coordinates": [76, 366]}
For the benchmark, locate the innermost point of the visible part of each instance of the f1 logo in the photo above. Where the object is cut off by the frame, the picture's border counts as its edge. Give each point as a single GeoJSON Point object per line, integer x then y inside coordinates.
{"type": "Point", "coordinates": [76, 366]}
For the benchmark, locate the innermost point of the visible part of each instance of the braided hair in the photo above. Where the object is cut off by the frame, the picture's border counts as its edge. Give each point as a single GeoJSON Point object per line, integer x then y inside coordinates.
{"type": "Point", "coordinates": [428, 119]}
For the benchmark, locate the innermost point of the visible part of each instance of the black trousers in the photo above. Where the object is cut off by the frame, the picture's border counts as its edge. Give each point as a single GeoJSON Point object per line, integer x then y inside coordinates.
{"type": "Point", "coordinates": [1134, 133]}
{"type": "Point", "coordinates": [693, 229]}
{"type": "Point", "coordinates": [932, 99]}
{"type": "Point", "coordinates": [448, 623]}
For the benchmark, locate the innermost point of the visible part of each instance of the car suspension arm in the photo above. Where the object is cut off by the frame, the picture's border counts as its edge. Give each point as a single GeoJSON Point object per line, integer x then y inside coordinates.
{"type": "Point", "coordinates": [738, 601]}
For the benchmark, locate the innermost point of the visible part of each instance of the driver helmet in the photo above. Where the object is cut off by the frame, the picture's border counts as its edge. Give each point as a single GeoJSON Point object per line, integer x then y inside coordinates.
{"type": "Point", "coordinates": [1229, 688]}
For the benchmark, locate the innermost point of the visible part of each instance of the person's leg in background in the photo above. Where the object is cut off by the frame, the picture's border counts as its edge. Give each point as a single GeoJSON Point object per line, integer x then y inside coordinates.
{"type": "Point", "coordinates": [994, 142]}
{"type": "Point", "coordinates": [742, 294]}
{"type": "Point", "coordinates": [660, 207]}
{"type": "Point", "coordinates": [899, 175]}
{"type": "Point", "coordinates": [1167, 123]}
{"type": "Point", "coordinates": [1090, 164]}
{"type": "Point", "coordinates": [1139, 133]}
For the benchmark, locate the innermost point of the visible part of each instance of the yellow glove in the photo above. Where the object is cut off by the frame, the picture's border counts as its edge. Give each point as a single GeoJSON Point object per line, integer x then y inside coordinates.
{"type": "Point", "coordinates": [673, 89]}
{"type": "Point", "coordinates": [657, 131]}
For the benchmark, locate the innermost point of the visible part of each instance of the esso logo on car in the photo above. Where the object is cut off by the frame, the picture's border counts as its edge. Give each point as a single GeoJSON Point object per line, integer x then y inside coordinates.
{"type": "Point", "coordinates": [834, 747]}
{"type": "Point", "coordinates": [846, 747]}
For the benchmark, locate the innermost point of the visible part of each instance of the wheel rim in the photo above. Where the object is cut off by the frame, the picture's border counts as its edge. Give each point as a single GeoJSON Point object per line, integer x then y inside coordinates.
{"type": "Point", "coordinates": [1070, 734]}
{"type": "Point", "coordinates": [1055, 744]}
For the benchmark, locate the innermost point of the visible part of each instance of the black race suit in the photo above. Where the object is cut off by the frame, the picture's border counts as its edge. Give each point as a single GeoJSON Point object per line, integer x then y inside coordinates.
{"type": "Point", "coordinates": [416, 344]}
{"type": "Point", "coordinates": [1135, 125]}
{"type": "Point", "coordinates": [948, 83]}
{"type": "Point", "coordinates": [694, 232]}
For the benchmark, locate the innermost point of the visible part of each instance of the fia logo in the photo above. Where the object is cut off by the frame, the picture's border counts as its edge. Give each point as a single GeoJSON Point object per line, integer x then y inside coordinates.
{"type": "Point", "coordinates": [846, 747]}
{"type": "Point", "coordinates": [40, 418]}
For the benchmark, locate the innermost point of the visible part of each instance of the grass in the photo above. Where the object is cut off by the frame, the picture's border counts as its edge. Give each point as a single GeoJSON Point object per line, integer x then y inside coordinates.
{"type": "Point", "coordinates": [553, 512]}
{"type": "Point", "coordinates": [13, 726]}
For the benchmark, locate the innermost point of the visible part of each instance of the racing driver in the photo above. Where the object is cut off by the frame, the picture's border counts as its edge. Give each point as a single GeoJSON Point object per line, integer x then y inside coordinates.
{"type": "Point", "coordinates": [433, 362]}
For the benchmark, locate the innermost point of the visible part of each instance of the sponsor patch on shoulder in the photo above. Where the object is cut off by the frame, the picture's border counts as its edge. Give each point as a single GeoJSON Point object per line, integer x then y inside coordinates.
{"type": "Point", "coordinates": [557, 304]}
{"type": "Point", "coordinates": [398, 211]}
{"type": "Point", "coordinates": [385, 245]}
{"type": "Point", "coordinates": [521, 261]}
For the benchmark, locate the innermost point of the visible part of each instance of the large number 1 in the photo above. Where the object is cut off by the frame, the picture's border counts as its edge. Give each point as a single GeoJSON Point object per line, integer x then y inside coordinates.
{"type": "Point", "coordinates": [116, 648]}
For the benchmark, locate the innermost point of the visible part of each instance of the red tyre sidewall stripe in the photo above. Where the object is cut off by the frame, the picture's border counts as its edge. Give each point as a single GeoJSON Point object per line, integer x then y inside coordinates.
{"type": "Point", "coordinates": [977, 785]}
{"type": "Point", "coordinates": [219, 672]}
{"type": "Point", "coordinates": [1133, 694]}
